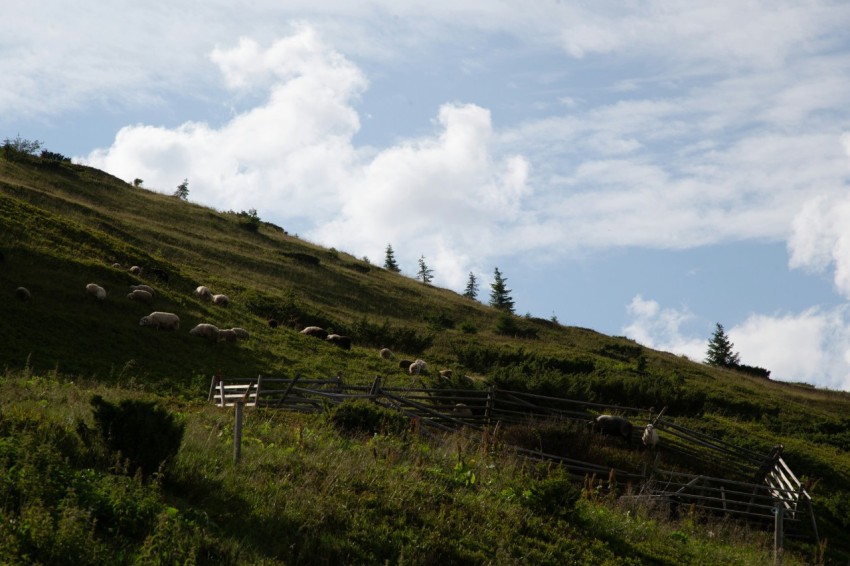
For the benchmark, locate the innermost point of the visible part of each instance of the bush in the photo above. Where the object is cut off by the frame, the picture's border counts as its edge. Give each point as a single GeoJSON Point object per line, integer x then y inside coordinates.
{"type": "Point", "coordinates": [144, 434]}
{"type": "Point", "coordinates": [358, 417]}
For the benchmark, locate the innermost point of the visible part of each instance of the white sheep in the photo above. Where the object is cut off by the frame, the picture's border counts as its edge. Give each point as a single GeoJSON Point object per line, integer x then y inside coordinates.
{"type": "Point", "coordinates": [650, 436]}
{"type": "Point", "coordinates": [343, 342]}
{"type": "Point", "coordinates": [96, 290]}
{"type": "Point", "coordinates": [161, 320]}
{"type": "Point", "coordinates": [204, 293]}
{"type": "Point", "coordinates": [221, 300]}
{"type": "Point", "coordinates": [418, 367]}
{"type": "Point", "coordinates": [140, 295]}
{"type": "Point", "coordinates": [228, 335]}
{"type": "Point", "coordinates": [143, 288]}
{"type": "Point", "coordinates": [241, 333]}
{"type": "Point", "coordinates": [386, 353]}
{"type": "Point", "coordinates": [316, 331]}
{"type": "Point", "coordinates": [116, 265]}
{"type": "Point", "coordinates": [135, 270]}
{"type": "Point", "coordinates": [204, 330]}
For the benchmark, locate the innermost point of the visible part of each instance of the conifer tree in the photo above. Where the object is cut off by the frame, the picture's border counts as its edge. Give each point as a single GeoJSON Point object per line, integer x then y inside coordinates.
{"type": "Point", "coordinates": [500, 295]}
{"type": "Point", "coordinates": [471, 291]}
{"type": "Point", "coordinates": [390, 262]}
{"type": "Point", "coordinates": [425, 273]}
{"type": "Point", "coordinates": [720, 350]}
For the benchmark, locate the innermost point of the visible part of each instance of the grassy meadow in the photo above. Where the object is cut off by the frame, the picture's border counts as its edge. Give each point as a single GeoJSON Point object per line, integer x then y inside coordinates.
{"type": "Point", "coordinates": [310, 490]}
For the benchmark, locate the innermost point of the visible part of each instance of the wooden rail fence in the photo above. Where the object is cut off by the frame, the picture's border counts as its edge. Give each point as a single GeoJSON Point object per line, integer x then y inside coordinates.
{"type": "Point", "coordinates": [739, 482]}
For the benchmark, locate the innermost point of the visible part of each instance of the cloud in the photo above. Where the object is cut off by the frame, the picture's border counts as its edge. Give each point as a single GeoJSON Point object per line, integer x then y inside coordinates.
{"type": "Point", "coordinates": [288, 157]}
{"type": "Point", "coordinates": [660, 328]}
{"type": "Point", "coordinates": [445, 195]}
{"type": "Point", "coordinates": [811, 346]}
{"type": "Point", "coordinates": [820, 236]}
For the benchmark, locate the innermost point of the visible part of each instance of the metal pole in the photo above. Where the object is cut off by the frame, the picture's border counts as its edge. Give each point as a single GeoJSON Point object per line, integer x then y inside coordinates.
{"type": "Point", "coordinates": [778, 535]}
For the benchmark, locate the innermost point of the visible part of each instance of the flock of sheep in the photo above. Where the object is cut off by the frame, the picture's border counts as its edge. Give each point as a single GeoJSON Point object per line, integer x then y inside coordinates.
{"type": "Point", "coordinates": [163, 320]}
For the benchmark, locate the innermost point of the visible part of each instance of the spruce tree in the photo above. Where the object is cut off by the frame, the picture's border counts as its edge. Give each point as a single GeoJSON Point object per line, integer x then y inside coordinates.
{"type": "Point", "coordinates": [500, 295]}
{"type": "Point", "coordinates": [720, 350]}
{"type": "Point", "coordinates": [425, 273]}
{"type": "Point", "coordinates": [390, 262]}
{"type": "Point", "coordinates": [471, 291]}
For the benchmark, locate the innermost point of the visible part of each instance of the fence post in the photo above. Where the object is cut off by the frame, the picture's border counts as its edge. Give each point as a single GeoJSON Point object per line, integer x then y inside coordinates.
{"type": "Point", "coordinates": [237, 432]}
{"type": "Point", "coordinates": [491, 403]}
{"type": "Point", "coordinates": [778, 535]}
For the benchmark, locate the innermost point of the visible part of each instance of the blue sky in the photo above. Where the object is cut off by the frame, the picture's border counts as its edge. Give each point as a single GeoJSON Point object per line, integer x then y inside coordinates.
{"type": "Point", "coordinates": [644, 169]}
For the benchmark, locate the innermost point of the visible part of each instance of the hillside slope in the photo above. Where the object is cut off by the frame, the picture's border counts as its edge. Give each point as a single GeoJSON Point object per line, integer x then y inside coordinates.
{"type": "Point", "coordinates": [63, 226]}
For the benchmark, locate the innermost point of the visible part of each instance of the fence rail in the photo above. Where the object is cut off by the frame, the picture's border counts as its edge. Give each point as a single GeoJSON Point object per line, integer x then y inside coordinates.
{"type": "Point", "coordinates": [743, 483]}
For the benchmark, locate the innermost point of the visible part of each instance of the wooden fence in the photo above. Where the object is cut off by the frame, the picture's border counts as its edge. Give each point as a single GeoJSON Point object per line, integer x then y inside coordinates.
{"type": "Point", "coordinates": [737, 483]}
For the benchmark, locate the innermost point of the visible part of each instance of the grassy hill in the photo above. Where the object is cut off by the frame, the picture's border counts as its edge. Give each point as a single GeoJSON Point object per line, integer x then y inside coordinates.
{"type": "Point", "coordinates": [307, 494]}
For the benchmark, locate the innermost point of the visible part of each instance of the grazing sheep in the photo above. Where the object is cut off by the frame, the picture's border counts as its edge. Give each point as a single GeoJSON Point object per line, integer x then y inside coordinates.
{"type": "Point", "coordinates": [96, 290]}
{"type": "Point", "coordinates": [141, 296]}
{"type": "Point", "coordinates": [446, 373]}
{"type": "Point", "coordinates": [161, 320]}
{"type": "Point", "coordinates": [228, 335]}
{"type": "Point", "coordinates": [405, 364]}
{"type": "Point", "coordinates": [273, 323]}
{"type": "Point", "coordinates": [386, 353]}
{"type": "Point", "coordinates": [221, 300]}
{"type": "Point", "coordinates": [241, 333]}
{"type": "Point", "coordinates": [135, 270]}
{"type": "Point", "coordinates": [650, 436]}
{"type": "Point", "coordinates": [418, 367]}
{"type": "Point", "coordinates": [116, 265]}
{"type": "Point", "coordinates": [204, 330]}
{"type": "Point", "coordinates": [204, 293]}
{"type": "Point", "coordinates": [461, 410]}
{"type": "Point", "coordinates": [23, 294]}
{"type": "Point", "coordinates": [343, 342]}
{"type": "Point", "coordinates": [145, 288]}
{"type": "Point", "coordinates": [316, 332]}
{"type": "Point", "coordinates": [613, 426]}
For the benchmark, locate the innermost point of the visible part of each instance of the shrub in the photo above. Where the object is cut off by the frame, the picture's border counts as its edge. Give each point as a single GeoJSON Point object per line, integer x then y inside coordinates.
{"type": "Point", "coordinates": [507, 325]}
{"type": "Point", "coordinates": [358, 417]}
{"type": "Point", "coordinates": [144, 433]}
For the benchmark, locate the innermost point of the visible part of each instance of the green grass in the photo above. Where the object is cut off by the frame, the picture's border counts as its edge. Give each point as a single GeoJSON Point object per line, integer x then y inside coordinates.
{"type": "Point", "coordinates": [63, 226]}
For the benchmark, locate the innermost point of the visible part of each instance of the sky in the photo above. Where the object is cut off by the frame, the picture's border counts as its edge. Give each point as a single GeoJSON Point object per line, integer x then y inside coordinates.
{"type": "Point", "coordinates": [645, 169]}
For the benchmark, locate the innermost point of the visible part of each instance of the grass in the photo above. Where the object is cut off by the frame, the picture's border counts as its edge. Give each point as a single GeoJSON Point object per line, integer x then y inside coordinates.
{"type": "Point", "coordinates": [304, 488]}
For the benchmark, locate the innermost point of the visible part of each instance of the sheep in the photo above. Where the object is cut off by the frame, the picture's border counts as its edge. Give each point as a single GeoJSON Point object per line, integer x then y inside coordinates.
{"type": "Point", "coordinates": [145, 288]}
{"type": "Point", "coordinates": [613, 426]}
{"type": "Point", "coordinates": [204, 330]}
{"type": "Point", "coordinates": [96, 290]}
{"type": "Point", "coordinates": [315, 331]}
{"type": "Point", "coordinates": [650, 436]}
{"type": "Point", "coordinates": [273, 323]}
{"type": "Point", "coordinates": [221, 300]}
{"type": "Point", "coordinates": [241, 333]}
{"type": "Point", "coordinates": [418, 367]}
{"type": "Point", "coordinates": [161, 320]}
{"type": "Point", "coordinates": [23, 294]}
{"type": "Point", "coordinates": [135, 270]}
{"type": "Point", "coordinates": [446, 373]}
{"type": "Point", "coordinates": [343, 342]}
{"type": "Point", "coordinates": [461, 410]}
{"type": "Point", "coordinates": [140, 295]}
{"type": "Point", "coordinates": [228, 335]}
{"type": "Point", "coordinates": [116, 265]}
{"type": "Point", "coordinates": [405, 364]}
{"type": "Point", "coordinates": [386, 353]}
{"type": "Point", "coordinates": [204, 293]}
